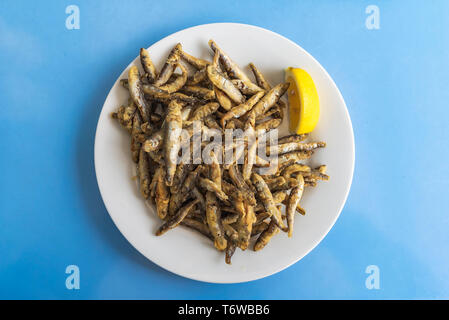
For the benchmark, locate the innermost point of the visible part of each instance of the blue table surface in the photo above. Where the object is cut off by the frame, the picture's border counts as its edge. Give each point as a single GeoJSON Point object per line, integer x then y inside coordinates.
{"type": "Point", "coordinates": [53, 82]}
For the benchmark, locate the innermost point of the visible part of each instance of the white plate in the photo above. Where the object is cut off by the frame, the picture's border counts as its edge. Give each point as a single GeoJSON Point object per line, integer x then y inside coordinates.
{"type": "Point", "coordinates": [184, 252]}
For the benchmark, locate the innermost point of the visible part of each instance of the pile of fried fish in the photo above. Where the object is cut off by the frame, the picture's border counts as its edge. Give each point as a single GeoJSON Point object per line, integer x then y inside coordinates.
{"type": "Point", "coordinates": [229, 203]}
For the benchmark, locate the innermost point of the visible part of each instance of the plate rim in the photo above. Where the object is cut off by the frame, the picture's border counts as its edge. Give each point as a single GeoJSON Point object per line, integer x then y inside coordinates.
{"type": "Point", "coordinates": [346, 193]}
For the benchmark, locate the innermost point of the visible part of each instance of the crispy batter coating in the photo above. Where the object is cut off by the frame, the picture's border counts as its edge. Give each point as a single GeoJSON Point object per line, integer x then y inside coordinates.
{"type": "Point", "coordinates": [213, 215]}
{"type": "Point", "coordinates": [198, 77]}
{"type": "Point", "coordinates": [269, 124]}
{"type": "Point", "coordinates": [250, 155]}
{"type": "Point", "coordinates": [244, 88]}
{"type": "Point", "coordinates": [169, 66]}
{"type": "Point", "coordinates": [136, 134]}
{"type": "Point", "coordinates": [293, 138]}
{"type": "Point", "coordinates": [266, 236]}
{"type": "Point", "coordinates": [198, 226]}
{"type": "Point", "coordinates": [144, 174]}
{"type": "Point", "coordinates": [231, 67]}
{"type": "Point", "coordinates": [245, 225]}
{"type": "Point", "coordinates": [199, 92]}
{"type": "Point", "coordinates": [295, 156]}
{"type": "Point", "coordinates": [259, 228]}
{"type": "Point", "coordinates": [230, 250]}
{"type": "Point", "coordinates": [294, 168]}
{"type": "Point", "coordinates": [172, 139]}
{"type": "Point", "coordinates": [136, 93]}
{"type": "Point", "coordinates": [162, 196]}
{"type": "Point", "coordinates": [239, 181]}
{"type": "Point", "coordinates": [242, 108]}
{"type": "Point", "coordinates": [266, 197]}
{"type": "Point", "coordinates": [260, 79]}
{"type": "Point", "coordinates": [155, 141]}
{"type": "Point", "coordinates": [270, 99]}
{"type": "Point", "coordinates": [292, 203]}
{"type": "Point", "coordinates": [224, 84]}
{"type": "Point", "coordinates": [203, 111]}
{"type": "Point", "coordinates": [198, 63]}
{"type": "Point", "coordinates": [225, 102]}
{"type": "Point", "coordinates": [174, 221]}
{"type": "Point", "coordinates": [295, 146]}
{"type": "Point", "coordinates": [211, 186]}
{"type": "Point", "coordinates": [147, 65]}
{"type": "Point", "coordinates": [178, 82]}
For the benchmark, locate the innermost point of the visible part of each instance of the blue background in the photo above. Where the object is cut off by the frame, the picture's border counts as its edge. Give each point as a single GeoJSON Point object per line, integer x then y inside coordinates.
{"type": "Point", "coordinates": [53, 83]}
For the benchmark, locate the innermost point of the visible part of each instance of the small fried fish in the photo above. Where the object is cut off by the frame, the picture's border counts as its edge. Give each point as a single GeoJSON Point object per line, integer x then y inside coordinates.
{"type": "Point", "coordinates": [270, 99]}
{"type": "Point", "coordinates": [178, 83]}
{"type": "Point", "coordinates": [231, 67]}
{"type": "Point", "coordinates": [203, 111]}
{"type": "Point", "coordinates": [162, 196]}
{"type": "Point", "coordinates": [198, 63]}
{"type": "Point", "coordinates": [144, 174]}
{"type": "Point", "coordinates": [136, 93]}
{"type": "Point", "coordinates": [214, 221]}
{"type": "Point", "coordinates": [292, 204]}
{"type": "Point", "coordinates": [267, 199]}
{"type": "Point", "coordinates": [147, 65]}
{"type": "Point", "coordinates": [266, 236]}
{"type": "Point", "coordinates": [224, 84]}
{"type": "Point", "coordinates": [174, 221]}
{"type": "Point", "coordinates": [172, 143]}
{"type": "Point", "coordinates": [169, 66]}
{"type": "Point", "coordinates": [242, 108]}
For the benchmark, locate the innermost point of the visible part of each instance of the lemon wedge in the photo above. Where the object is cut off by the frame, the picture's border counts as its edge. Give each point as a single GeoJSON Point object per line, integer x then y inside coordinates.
{"type": "Point", "coordinates": [304, 105]}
